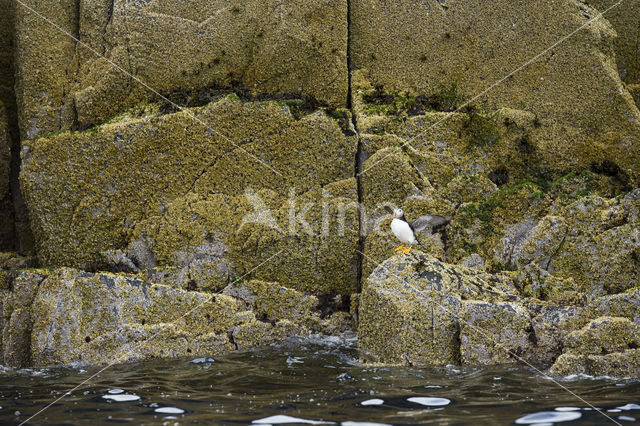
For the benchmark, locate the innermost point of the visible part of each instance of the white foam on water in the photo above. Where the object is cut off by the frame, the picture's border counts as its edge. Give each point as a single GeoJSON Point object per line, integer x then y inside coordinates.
{"type": "Point", "coordinates": [629, 407]}
{"type": "Point", "coordinates": [295, 360]}
{"type": "Point", "coordinates": [169, 410]}
{"type": "Point", "coordinates": [627, 418]}
{"type": "Point", "coordinates": [115, 391]}
{"type": "Point", "coordinates": [122, 397]}
{"type": "Point", "coordinates": [363, 424]}
{"type": "Point", "coordinates": [429, 401]}
{"type": "Point", "coordinates": [374, 401]}
{"type": "Point", "coordinates": [614, 410]}
{"type": "Point", "coordinates": [567, 409]}
{"type": "Point", "coordinates": [202, 360]}
{"type": "Point", "coordinates": [548, 417]}
{"type": "Point", "coordinates": [282, 419]}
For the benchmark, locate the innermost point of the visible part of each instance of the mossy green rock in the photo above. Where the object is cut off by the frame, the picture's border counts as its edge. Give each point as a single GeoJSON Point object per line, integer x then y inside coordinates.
{"type": "Point", "coordinates": [165, 190]}
{"type": "Point", "coordinates": [604, 335]}
{"type": "Point", "coordinates": [426, 48]}
{"type": "Point", "coordinates": [273, 302]}
{"type": "Point", "coordinates": [6, 203]}
{"type": "Point", "coordinates": [62, 316]}
{"type": "Point", "coordinates": [559, 239]}
{"type": "Point", "coordinates": [175, 48]}
{"type": "Point", "coordinates": [494, 333]}
{"type": "Point", "coordinates": [410, 309]}
{"type": "Point", "coordinates": [606, 346]}
{"type": "Point", "coordinates": [17, 317]}
{"type": "Point", "coordinates": [624, 19]}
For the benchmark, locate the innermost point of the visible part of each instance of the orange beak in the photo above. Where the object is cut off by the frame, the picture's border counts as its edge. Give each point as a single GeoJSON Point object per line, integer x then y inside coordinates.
{"type": "Point", "coordinates": [394, 214]}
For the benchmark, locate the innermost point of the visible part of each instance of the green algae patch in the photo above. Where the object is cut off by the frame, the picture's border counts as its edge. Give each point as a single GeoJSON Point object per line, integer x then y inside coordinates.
{"type": "Point", "coordinates": [489, 226]}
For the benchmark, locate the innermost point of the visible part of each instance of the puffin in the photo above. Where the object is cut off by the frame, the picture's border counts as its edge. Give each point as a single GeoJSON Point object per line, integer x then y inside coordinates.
{"type": "Point", "coordinates": [406, 231]}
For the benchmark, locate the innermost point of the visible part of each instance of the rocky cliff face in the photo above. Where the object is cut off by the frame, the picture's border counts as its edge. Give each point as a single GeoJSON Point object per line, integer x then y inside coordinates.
{"type": "Point", "coordinates": [179, 150]}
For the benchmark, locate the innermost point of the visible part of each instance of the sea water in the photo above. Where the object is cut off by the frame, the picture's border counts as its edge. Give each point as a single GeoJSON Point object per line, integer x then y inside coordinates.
{"type": "Point", "coordinates": [317, 380]}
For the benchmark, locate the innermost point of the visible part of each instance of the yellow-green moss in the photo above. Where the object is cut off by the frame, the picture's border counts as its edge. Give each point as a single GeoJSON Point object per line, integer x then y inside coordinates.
{"type": "Point", "coordinates": [168, 176]}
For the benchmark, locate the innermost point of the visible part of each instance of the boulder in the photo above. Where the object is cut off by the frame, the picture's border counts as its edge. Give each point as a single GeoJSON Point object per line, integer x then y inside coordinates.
{"type": "Point", "coordinates": [411, 308]}
{"type": "Point", "coordinates": [17, 317]}
{"type": "Point", "coordinates": [63, 316]}
{"type": "Point", "coordinates": [437, 56]}
{"type": "Point", "coordinates": [180, 50]}
{"type": "Point", "coordinates": [623, 16]}
{"type": "Point", "coordinates": [416, 310]}
{"type": "Point", "coordinates": [494, 333]}
{"type": "Point", "coordinates": [606, 346]}
{"type": "Point", "coordinates": [259, 187]}
{"type": "Point", "coordinates": [559, 240]}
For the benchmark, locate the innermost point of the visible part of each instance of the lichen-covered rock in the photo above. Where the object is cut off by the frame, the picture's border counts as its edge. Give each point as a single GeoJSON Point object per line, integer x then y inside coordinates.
{"type": "Point", "coordinates": [619, 364]}
{"type": "Point", "coordinates": [437, 56]}
{"type": "Point", "coordinates": [53, 317]}
{"type": "Point", "coordinates": [494, 333]}
{"type": "Point", "coordinates": [625, 304]}
{"type": "Point", "coordinates": [624, 19]}
{"type": "Point", "coordinates": [410, 309]}
{"type": "Point", "coordinates": [99, 318]}
{"type": "Point", "coordinates": [604, 335]}
{"type": "Point", "coordinates": [6, 203]}
{"type": "Point", "coordinates": [273, 302]}
{"type": "Point", "coordinates": [551, 323]}
{"type": "Point", "coordinates": [179, 49]}
{"type": "Point", "coordinates": [606, 346]}
{"type": "Point", "coordinates": [44, 59]}
{"type": "Point", "coordinates": [166, 191]}
{"type": "Point", "coordinates": [497, 227]}
{"type": "Point", "coordinates": [601, 245]}
{"type": "Point", "coordinates": [558, 240]}
{"type": "Point", "coordinates": [17, 317]}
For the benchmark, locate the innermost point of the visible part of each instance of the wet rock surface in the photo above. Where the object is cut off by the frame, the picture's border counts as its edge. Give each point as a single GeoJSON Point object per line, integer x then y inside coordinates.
{"type": "Point", "coordinates": [416, 310]}
{"type": "Point", "coordinates": [240, 156]}
{"type": "Point", "coordinates": [65, 316]}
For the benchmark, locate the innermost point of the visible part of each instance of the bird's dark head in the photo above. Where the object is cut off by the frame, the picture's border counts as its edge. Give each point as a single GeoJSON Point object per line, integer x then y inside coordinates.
{"type": "Point", "coordinates": [395, 213]}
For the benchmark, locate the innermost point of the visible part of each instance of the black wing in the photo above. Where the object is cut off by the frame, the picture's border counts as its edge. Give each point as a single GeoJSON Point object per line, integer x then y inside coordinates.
{"type": "Point", "coordinates": [422, 222]}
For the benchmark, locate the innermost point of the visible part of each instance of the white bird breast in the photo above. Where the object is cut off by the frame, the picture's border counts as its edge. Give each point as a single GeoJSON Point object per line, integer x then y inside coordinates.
{"type": "Point", "coordinates": [402, 231]}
